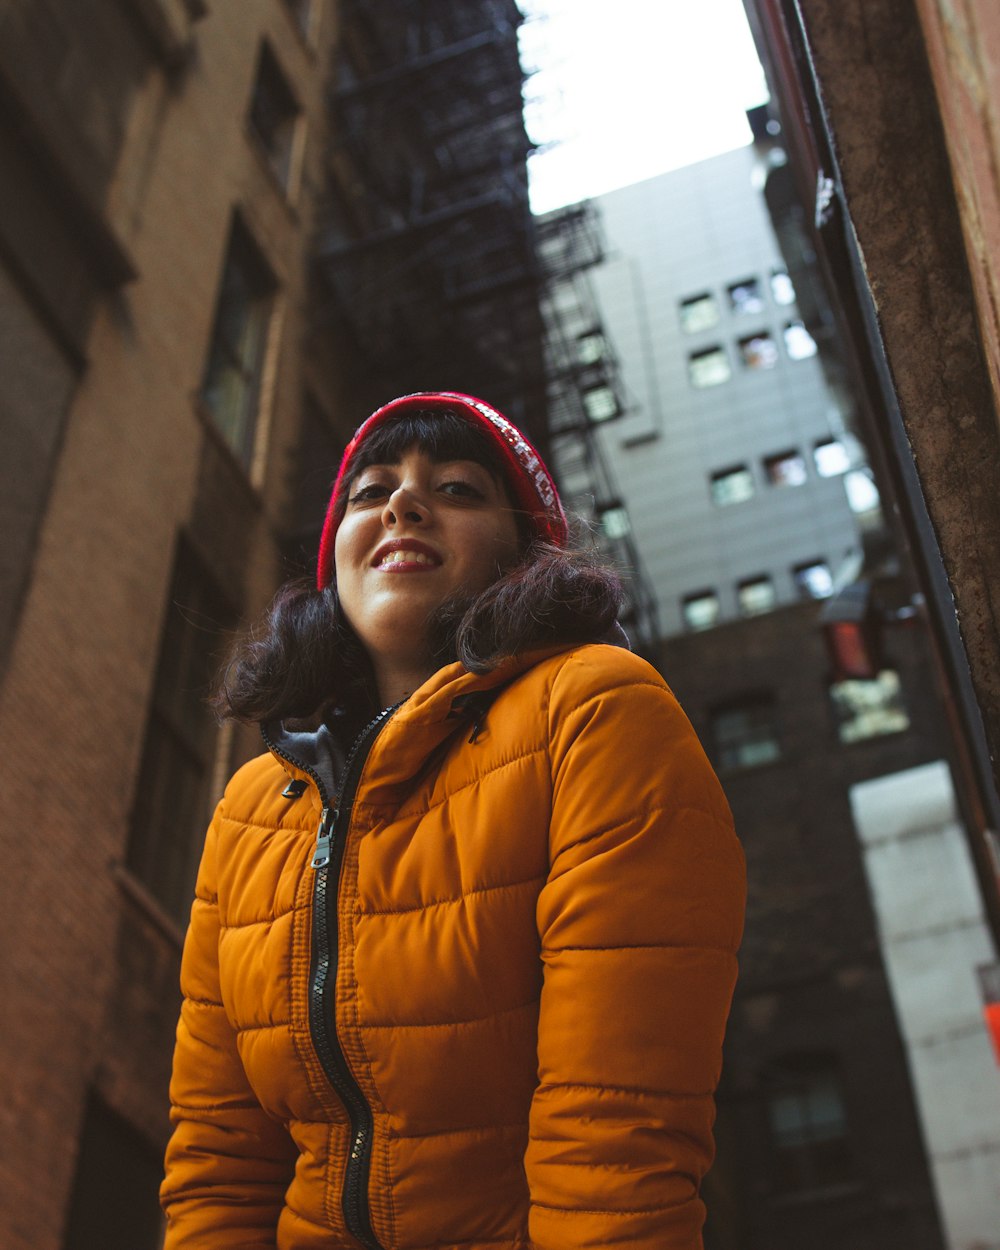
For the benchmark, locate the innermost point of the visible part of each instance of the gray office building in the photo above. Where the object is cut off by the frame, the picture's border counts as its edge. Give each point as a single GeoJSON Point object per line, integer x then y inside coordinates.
{"type": "Point", "coordinates": [740, 482]}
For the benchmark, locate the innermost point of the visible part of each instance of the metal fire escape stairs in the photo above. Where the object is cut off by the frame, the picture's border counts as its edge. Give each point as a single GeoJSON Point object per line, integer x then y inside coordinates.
{"type": "Point", "coordinates": [430, 261]}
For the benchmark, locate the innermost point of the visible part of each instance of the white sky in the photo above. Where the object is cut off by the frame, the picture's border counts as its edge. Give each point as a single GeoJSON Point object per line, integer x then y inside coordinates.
{"type": "Point", "coordinates": [627, 89]}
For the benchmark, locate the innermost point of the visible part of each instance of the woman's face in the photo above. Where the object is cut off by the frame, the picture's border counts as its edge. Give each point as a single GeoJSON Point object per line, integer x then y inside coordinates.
{"type": "Point", "coordinates": [414, 533]}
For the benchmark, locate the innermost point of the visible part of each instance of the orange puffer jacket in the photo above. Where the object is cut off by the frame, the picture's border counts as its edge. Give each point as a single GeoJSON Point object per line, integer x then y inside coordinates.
{"type": "Point", "coordinates": [492, 1014]}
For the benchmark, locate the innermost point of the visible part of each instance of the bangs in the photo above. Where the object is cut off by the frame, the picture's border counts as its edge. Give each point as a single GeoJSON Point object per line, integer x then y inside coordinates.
{"type": "Point", "coordinates": [439, 434]}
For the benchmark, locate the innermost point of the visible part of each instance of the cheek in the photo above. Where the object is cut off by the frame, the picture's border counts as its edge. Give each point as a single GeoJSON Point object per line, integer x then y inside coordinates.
{"type": "Point", "coordinates": [344, 570]}
{"type": "Point", "coordinates": [496, 548]}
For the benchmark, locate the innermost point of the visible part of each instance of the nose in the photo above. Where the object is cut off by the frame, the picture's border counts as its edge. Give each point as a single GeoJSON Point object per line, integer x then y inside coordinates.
{"type": "Point", "coordinates": [404, 505]}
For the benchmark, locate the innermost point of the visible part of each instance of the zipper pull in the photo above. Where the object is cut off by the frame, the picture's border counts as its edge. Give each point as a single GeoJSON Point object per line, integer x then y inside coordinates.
{"type": "Point", "coordinates": [327, 820]}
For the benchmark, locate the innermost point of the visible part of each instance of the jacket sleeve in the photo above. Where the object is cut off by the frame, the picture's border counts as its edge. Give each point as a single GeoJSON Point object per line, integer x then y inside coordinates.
{"type": "Point", "coordinates": [640, 919]}
{"type": "Point", "coordinates": [228, 1164]}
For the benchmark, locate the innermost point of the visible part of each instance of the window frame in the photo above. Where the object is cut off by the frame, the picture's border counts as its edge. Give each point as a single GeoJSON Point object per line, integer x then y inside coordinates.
{"type": "Point", "coordinates": [748, 308]}
{"type": "Point", "coordinates": [743, 345]}
{"type": "Point", "coordinates": [180, 737]}
{"type": "Point", "coordinates": [795, 330]}
{"type": "Point", "coordinates": [735, 752]}
{"type": "Point", "coordinates": [238, 352]}
{"type": "Point", "coordinates": [763, 579]}
{"type": "Point", "coordinates": [716, 479]}
{"type": "Point", "coordinates": [704, 299]}
{"type": "Point", "coordinates": [708, 595]}
{"type": "Point", "coordinates": [832, 442]}
{"type": "Point", "coordinates": [822, 1158]}
{"type": "Point", "coordinates": [892, 707]}
{"type": "Point", "coordinates": [716, 350]}
{"type": "Point", "coordinates": [277, 138]}
{"type": "Point", "coordinates": [790, 456]}
{"type": "Point", "coordinates": [800, 579]}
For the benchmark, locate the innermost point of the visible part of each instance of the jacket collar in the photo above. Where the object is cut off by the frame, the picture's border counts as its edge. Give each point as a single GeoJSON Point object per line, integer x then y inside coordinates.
{"type": "Point", "coordinates": [450, 701]}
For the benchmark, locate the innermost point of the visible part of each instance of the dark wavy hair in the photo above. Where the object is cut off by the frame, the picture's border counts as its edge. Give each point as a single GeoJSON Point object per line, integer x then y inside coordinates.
{"type": "Point", "coordinates": [304, 655]}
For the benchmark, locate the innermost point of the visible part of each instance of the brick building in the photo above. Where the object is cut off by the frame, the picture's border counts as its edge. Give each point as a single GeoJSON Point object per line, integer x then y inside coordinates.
{"type": "Point", "coordinates": [819, 1140]}
{"type": "Point", "coordinates": [191, 330]}
{"type": "Point", "coordinates": [153, 293]}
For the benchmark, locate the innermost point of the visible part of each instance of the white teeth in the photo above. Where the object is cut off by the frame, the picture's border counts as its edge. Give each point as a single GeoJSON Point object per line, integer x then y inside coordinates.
{"type": "Point", "coordinates": [408, 557]}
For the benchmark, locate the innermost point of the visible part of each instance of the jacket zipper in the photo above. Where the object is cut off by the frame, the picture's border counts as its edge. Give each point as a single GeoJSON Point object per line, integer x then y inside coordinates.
{"type": "Point", "coordinates": [326, 862]}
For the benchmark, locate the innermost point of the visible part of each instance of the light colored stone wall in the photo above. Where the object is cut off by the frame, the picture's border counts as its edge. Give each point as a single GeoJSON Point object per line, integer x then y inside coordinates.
{"type": "Point", "coordinates": [934, 936]}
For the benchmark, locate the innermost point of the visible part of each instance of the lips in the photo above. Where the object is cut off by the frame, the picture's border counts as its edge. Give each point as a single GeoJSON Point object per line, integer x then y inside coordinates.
{"type": "Point", "coordinates": [407, 554]}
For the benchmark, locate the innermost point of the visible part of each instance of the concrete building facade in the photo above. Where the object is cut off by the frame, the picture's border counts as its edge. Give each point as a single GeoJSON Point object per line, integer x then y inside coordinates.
{"type": "Point", "coordinates": [734, 451]}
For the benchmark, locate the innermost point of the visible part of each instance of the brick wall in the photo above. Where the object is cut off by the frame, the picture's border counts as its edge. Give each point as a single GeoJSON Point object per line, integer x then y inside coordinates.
{"type": "Point", "coordinates": [811, 977]}
{"type": "Point", "coordinates": [90, 963]}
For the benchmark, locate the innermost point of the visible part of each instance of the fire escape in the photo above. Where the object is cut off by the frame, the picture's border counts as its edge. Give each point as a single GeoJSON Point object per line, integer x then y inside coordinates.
{"type": "Point", "coordinates": [430, 262]}
{"type": "Point", "coordinates": [584, 392]}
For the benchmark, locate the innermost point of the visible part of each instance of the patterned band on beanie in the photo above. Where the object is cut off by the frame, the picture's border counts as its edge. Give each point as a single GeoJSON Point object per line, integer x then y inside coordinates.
{"type": "Point", "coordinates": [526, 476]}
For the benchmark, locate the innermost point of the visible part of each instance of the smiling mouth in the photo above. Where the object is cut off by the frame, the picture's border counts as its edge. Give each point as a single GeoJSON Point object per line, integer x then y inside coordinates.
{"type": "Point", "coordinates": [406, 559]}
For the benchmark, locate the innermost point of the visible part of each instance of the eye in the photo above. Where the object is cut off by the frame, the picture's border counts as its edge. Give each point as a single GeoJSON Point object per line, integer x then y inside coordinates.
{"type": "Point", "coordinates": [370, 492]}
{"type": "Point", "coordinates": [460, 488]}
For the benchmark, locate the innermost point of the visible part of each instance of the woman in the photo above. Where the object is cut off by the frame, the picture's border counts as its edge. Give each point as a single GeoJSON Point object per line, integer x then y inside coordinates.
{"type": "Point", "coordinates": [464, 942]}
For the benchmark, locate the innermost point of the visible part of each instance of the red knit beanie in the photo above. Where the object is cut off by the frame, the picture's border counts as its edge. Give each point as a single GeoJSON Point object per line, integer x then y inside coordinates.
{"type": "Point", "coordinates": [526, 476]}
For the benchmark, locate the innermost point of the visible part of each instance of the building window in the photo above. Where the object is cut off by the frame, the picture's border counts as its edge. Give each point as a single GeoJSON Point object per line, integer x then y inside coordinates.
{"type": "Point", "coordinates": [755, 595]}
{"type": "Point", "coordinates": [869, 708]}
{"type": "Point", "coordinates": [808, 1124]}
{"type": "Point", "coordinates": [758, 351]}
{"type": "Point", "coordinates": [733, 485]}
{"type": "Point", "coordinates": [614, 520]}
{"type": "Point", "coordinates": [701, 610]}
{"type": "Point", "coordinates": [601, 404]}
{"type": "Point", "coordinates": [700, 312]}
{"type": "Point", "coordinates": [274, 113]}
{"type": "Point", "coordinates": [709, 368]}
{"type": "Point", "coordinates": [813, 580]}
{"type": "Point", "coordinates": [746, 296]}
{"type": "Point", "coordinates": [782, 291]}
{"type": "Point", "coordinates": [171, 801]}
{"type": "Point", "coordinates": [114, 1197]}
{"type": "Point", "coordinates": [231, 387]}
{"type": "Point", "coordinates": [799, 343]}
{"type": "Point", "coordinates": [591, 348]}
{"type": "Point", "coordinates": [862, 493]}
{"type": "Point", "coordinates": [788, 468]}
{"type": "Point", "coordinates": [745, 734]}
{"type": "Point", "coordinates": [831, 458]}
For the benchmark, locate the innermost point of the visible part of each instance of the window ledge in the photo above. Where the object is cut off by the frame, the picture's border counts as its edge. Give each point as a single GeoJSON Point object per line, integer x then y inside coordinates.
{"type": "Point", "coordinates": [282, 190]}
{"type": "Point", "coordinates": [641, 440]}
{"type": "Point", "coordinates": [240, 472]}
{"type": "Point", "coordinates": [168, 22]}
